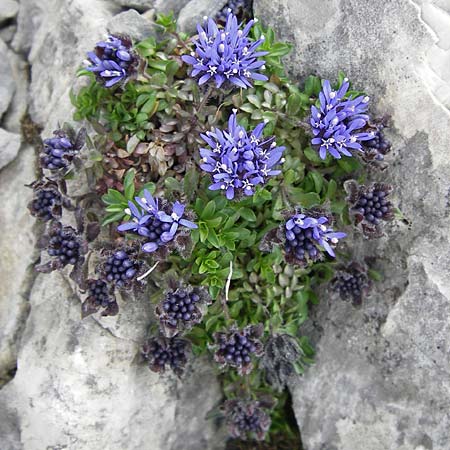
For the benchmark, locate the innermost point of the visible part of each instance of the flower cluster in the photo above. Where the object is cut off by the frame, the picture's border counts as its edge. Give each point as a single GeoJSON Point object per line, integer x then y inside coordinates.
{"type": "Point", "coordinates": [226, 55]}
{"type": "Point", "coordinates": [376, 148]}
{"type": "Point", "coordinates": [113, 61]}
{"type": "Point", "coordinates": [156, 225]}
{"type": "Point", "coordinates": [181, 309]}
{"type": "Point", "coordinates": [281, 352]}
{"type": "Point", "coordinates": [352, 283]}
{"type": "Point", "coordinates": [65, 247]}
{"type": "Point", "coordinates": [337, 123]}
{"type": "Point", "coordinates": [99, 296]}
{"type": "Point", "coordinates": [246, 419]}
{"type": "Point", "coordinates": [369, 205]}
{"type": "Point", "coordinates": [161, 352]}
{"type": "Point", "coordinates": [235, 348]}
{"type": "Point", "coordinates": [59, 151]}
{"type": "Point", "coordinates": [47, 200]}
{"type": "Point", "coordinates": [120, 268]}
{"type": "Point", "coordinates": [237, 160]}
{"type": "Point", "coordinates": [306, 236]}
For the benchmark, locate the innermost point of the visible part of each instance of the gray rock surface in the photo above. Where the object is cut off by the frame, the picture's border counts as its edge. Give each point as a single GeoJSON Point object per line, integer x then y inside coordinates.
{"type": "Point", "coordinates": [131, 23]}
{"type": "Point", "coordinates": [138, 5]}
{"type": "Point", "coordinates": [19, 102]}
{"type": "Point", "coordinates": [78, 383]}
{"type": "Point", "coordinates": [7, 33]}
{"type": "Point", "coordinates": [195, 10]}
{"type": "Point", "coordinates": [78, 386]}
{"type": "Point", "coordinates": [7, 85]}
{"type": "Point", "coordinates": [381, 380]}
{"type": "Point", "coordinates": [167, 6]}
{"type": "Point", "coordinates": [8, 9]}
{"type": "Point", "coordinates": [9, 147]}
{"type": "Point", "coordinates": [17, 243]}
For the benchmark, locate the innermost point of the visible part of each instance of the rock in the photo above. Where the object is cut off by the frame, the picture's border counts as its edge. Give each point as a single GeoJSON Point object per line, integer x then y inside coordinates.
{"type": "Point", "coordinates": [17, 243]}
{"type": "Point", "coordinates": [28, 22]}
{"type": "Point", "coordinates": [195, 10]}
{"type": "Point", "coordinates": [7, 33]}
{"type": "Point", "coordinates": [161, 6]}
{"type": "Point", "coordinates": [78, 386]}
{"type": "Point", "coordinates": [132, 23]}
{"type": "Point", "coordinates": [9, 147]}
{"type": "Point", "coordinates": [381, 380]}
{"type": "Point", "coordinates": [8, 9]}
{"type": "Point", "coordinates": [138, 5]}
{"type": "Point", "coordinates": [19, 103]}
{"type": "Point", "coordinates": [168, 6]}
{"type": "Point", "coordinates": [7, 86]}
{"type": "Point", "coordinates": [78, 383]}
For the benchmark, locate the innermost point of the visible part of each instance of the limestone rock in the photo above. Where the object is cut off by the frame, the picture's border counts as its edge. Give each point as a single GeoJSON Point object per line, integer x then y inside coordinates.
{"type": "Point", "coordinates": [8, 9]}
{"type": "Point", "coordinates": [9, 147]}
{"type": "Point", "coordinates": [138, 5]}
{"type": "Point", "coordinates": [167, 6]}
{"type": "Point", "coordinates": [78, 383]}
{"type": "Point", "coordinates": [7, 33]}
{"type": "Point", "coordinates": [80, 387]}
{"type": "Point", "coordinates": [17, 243]}
{"type": "Point", "coordinates": [7, 86]}
{"type": "Point", "coordinates": [19, 103]}
{"type": "Point", "coordinates": [195, 10]}
{"type": "Point", "coordinates": [381, 376]}
{"type": "Point", "coordinates": [131, 23]}
{"type": "Point", "coordinates": [28, 21]}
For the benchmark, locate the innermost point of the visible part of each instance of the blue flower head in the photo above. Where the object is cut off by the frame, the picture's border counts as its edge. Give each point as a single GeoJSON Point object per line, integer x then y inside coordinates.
{"type": "Point", "coordinates": [308, 237]}
{"type": "Point", "coordinates": [239, 160]}
{"type": "Point", "coordinates": [113, 61]}
{"type": "Point", "coordinates": [226, 55]}
{"type": "Point", "coordinates": [156, 225]}
{"type": "Point", "coordinates": [337, 124]}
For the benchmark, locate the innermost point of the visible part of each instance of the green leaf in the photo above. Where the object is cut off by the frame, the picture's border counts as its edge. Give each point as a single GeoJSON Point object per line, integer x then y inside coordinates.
{"type": "Point", "coordinates": [110, 218]}
{"type": "Point", "coordinates": [348, 164]}
{"type": "Point", "coordinates": [341, 77]}
{"type": "Point", "coordinates": [279, 49]}
{"type": "Point", "coordinates": [318, 180]}
{"type": "Point", "coordinates": [211, 321]}
{"type": "Point", "coordinates": [115, 208]}
{"type": "Point", "coordinates": [293, 104]}
{"type": "Point", "coordinates": [254, 100]}
{"type": "Point", "coordinates": [214, 223]}
{"type": "Point", "coordinates": [114, 197]}
{"type": "Point", "coordinates": [213, 239]}
{"type": "Point", "coordinates": [150, 187]}
{"type": "Point", "coordinates": [128, 184]}
{"type": "Point", "coordinates": [247, 214]}
{"type": "Point", "coordinates": [132, 143]}
{"type": "Point", "coordinates": [332, 187]}
{"type": "Point", "coordinates": [191, 182]}
{"type": "Point", "coordinates": [208, 212]}
{"type": "Point", "coordinates": [306, 200]}
{"type": "Point", "coordinates": [149, 106]}
{"type": "Point", "coordinates": [236, 308]}
{"type": "Point", "coordinates": [313, 86]}
{"type": "Point", "coordinates": [374, 275]}
{"type": "Point", "coordinates": [173, 184]}
{"type": "Point", "coordinates": [312, 155]}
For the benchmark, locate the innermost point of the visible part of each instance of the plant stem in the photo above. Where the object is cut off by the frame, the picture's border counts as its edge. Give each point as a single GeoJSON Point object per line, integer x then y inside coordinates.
{"type": "Point", "coordinates": [227, 290]}
{"type": "Point", "coordinates": [146, 274]}
{"type": "Point", "coordinates": [205, 98]}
